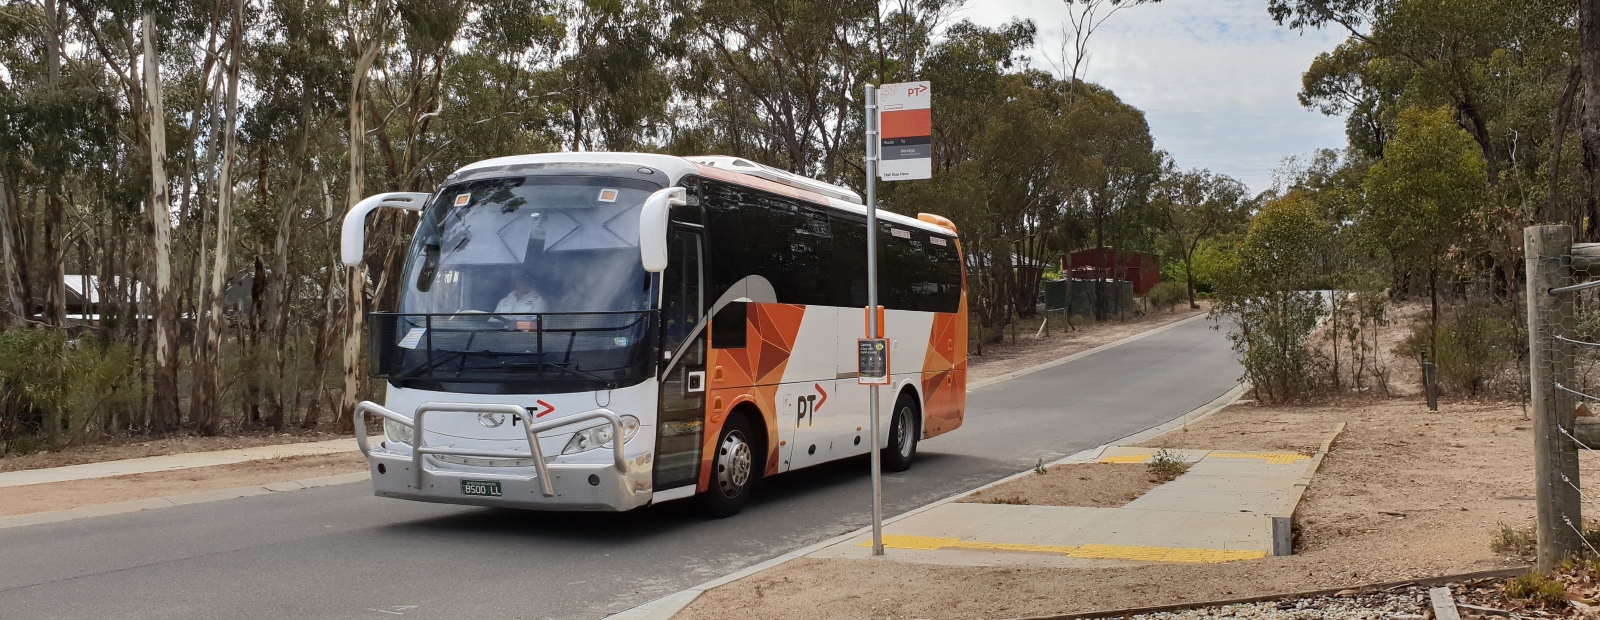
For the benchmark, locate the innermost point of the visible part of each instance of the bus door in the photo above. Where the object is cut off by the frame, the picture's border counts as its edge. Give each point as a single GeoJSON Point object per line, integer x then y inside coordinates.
{"type": "Point", "coordinates": [681, 422]}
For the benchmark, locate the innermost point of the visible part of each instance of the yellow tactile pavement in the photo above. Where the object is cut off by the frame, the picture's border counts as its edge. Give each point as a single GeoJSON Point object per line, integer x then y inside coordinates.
{"type": "Point", "coordinates": [1090, 552]}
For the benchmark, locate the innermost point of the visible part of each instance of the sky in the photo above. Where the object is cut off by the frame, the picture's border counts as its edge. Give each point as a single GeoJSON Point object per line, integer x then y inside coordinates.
{"type": "Point", "coordinates": [1216, 79]}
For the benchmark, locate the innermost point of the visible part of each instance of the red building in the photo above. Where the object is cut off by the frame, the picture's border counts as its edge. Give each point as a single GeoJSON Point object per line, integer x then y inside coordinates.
{"type": "Point", "coordinates": [1143, 270]}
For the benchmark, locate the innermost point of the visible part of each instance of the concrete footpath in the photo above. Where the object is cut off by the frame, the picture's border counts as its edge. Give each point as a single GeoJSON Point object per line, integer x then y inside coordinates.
{"type": "Point", "coordinates": [1228, 506]}
{"type": "Point", "coordinates": [171, 462]}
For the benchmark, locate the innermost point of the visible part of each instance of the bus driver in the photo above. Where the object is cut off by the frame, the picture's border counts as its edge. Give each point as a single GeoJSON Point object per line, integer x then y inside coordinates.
{"type": "Point", "coordinates": [522, 297]}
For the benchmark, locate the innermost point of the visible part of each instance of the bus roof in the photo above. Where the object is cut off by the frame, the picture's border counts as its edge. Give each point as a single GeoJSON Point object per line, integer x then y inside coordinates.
{"type": "Point", "coordinates": [676, 168]}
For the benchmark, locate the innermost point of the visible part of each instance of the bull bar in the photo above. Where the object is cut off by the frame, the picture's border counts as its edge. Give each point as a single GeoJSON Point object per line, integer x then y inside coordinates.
{"type": "Point", "coordinates": [531, 429]}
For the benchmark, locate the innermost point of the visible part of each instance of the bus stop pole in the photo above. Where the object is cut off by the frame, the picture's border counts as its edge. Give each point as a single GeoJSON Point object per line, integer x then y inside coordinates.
{"type": "Point", "coordinates": [873, 145]}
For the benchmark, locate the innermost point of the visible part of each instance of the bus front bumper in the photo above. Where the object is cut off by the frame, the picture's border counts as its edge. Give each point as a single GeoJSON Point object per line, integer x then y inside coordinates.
{"type": "Point", "coordinates": [598, 488]}
{"type": "Point", "coordinates": [411, 474]}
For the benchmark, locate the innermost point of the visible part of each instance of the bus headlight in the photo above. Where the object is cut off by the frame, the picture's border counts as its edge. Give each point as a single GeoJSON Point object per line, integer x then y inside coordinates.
{"type": "Point", "coordinates": [600, 436]}
{"type": "Point", "coordinates": [397, 432]}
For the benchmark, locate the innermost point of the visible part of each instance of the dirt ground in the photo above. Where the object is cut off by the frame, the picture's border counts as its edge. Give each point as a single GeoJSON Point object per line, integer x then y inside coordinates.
{"type": "Point", "coordinates": [1404, 493]}
{"type": "Point", "coordinates": [139, 448]}
{"type": "Point", "coordinates": [1105, 485]}
{"type": "Point", "coordinates": [33, 498]}
{"type": "Point", "coordinates": [1001, 358]}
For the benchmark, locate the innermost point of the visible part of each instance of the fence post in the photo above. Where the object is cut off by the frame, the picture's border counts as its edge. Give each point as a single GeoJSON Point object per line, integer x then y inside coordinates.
{"type": "Point", "coordinates": [1549, 265]}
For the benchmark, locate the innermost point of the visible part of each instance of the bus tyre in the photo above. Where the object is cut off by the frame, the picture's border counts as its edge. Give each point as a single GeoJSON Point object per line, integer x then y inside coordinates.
{"type": "Point", "coordinates": [734, 470]}
{"type": "Point", "coordinates": [902, 435]}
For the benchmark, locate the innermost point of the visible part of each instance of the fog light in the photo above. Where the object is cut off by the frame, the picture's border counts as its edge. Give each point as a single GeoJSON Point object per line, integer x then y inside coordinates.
{"type": "Point", "coordinates": [600, 436]}
{"type": "Point", "coordinates": [397, 432]}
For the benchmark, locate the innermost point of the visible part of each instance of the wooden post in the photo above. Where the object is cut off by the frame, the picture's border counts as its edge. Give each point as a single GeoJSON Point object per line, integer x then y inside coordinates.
{"type": "Point", "coordinates": [1550, 362]}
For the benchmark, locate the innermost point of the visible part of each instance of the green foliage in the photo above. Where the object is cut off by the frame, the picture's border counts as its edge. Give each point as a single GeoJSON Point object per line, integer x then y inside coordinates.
{"type": "Point", "coordinates": [1267, 295]}
{"type": "Point", "coordinates": [1515, 541]}
{"type": "Point", "coordinates": [1419, 196]}
{"type": "Point", "coordinates": [1166, 466]}
{"type": "Point", "coordinates": [1473, 351]}
{"type": "Point", "coordinates": [1166, 294]}
{"type": "Point", "coordinates": [1538, 590]}
{"type": "Point", "coordinates": [50, 385]}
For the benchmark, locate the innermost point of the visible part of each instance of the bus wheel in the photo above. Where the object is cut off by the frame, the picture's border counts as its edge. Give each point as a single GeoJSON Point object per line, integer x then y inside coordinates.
{"type": "Point", "coordinates": [902, 435]}
{"type": "Point", "coordinates": [733, 471]}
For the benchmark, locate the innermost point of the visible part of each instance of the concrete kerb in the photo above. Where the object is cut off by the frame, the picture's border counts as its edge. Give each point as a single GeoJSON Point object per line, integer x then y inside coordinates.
{"type": "Point", "coordinates": [667, 606]}
{"type": "Point", "coordinates": [177, 500]}
{"type": "Point", "coordinates": [1283, 520]}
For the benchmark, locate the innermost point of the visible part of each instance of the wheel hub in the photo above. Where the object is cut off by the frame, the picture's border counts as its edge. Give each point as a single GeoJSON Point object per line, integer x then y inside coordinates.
{"type": "Point", "coordinates": [733, 464]}
{"type": "Point", "coordinates": [902, 430]}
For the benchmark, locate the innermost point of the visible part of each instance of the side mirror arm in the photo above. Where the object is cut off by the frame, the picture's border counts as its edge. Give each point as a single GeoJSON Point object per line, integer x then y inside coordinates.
{"type": "Point", "coordinates": [353, 235]}
{"type": "Point", "coordinates": [653, 220]}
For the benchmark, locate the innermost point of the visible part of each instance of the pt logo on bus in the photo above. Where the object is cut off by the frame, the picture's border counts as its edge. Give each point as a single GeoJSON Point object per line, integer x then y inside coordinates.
{"type": "Point", "coordinates": [810, 403]}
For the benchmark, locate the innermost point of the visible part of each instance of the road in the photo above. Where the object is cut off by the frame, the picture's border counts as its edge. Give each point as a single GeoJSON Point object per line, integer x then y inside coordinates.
{"type": "Point", "coordinates": [338, 552]}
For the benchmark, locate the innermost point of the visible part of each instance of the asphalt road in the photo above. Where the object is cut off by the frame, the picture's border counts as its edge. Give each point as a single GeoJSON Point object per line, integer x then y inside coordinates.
{"type": "Point", "coordinates": [339, 552]}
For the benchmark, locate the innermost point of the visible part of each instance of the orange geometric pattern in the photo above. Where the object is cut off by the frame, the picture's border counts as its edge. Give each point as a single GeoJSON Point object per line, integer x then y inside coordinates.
{"type": "Point", "coordinates": [751, 374]}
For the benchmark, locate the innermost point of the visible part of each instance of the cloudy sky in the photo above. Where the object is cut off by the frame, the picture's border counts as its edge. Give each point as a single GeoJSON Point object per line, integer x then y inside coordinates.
{"type": "Point", "coordinates": [1216, 78]}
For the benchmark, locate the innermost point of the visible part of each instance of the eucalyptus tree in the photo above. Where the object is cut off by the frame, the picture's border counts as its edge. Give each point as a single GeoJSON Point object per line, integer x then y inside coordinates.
{"type": "Point", "coordinates": [1196, 205]}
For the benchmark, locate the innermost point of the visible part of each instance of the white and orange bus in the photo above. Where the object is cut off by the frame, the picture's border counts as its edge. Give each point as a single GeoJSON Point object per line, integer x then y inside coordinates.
{"type": "Point", "coordinates": [604, 331]}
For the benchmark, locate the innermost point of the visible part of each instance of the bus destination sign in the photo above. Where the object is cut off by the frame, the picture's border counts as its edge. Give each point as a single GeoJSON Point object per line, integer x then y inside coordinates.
{"type": "Point", "coordinates": [905, 126]}
{"type": "Point", "coordinates": [873, 361]}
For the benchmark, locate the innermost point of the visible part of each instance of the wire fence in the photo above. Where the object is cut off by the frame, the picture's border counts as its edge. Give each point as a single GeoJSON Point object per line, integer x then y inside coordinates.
{"type": "Point", "coordinates": [1564, 383]}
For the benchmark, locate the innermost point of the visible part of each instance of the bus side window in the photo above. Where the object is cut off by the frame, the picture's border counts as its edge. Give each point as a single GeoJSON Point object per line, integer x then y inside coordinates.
{"type": "Point", "coordinates": [945, 263]}
{"type": "Point", "coordinates": [849, 273]}
{"type": "Point", "coordinates": [724, 236]}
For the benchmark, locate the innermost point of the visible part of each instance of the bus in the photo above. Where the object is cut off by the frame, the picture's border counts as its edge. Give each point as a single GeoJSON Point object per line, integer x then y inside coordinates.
{"type": "Point", "coordinates": [606, 331]}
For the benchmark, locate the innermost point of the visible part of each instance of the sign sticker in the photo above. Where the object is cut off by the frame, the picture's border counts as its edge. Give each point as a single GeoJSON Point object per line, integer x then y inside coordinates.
{"type": "Point", "coordinates": [463, 199]}
{"type": "Point", "coordinates": [872, 361]}
{"type": "Point", "coordinates": [413, 338]}
{"type": "Point", "coordinates": [608, 195]}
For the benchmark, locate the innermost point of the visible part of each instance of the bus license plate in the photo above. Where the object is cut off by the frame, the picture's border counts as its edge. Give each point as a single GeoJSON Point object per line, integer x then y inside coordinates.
{"type": "Point", "coordinates": [486, 488]}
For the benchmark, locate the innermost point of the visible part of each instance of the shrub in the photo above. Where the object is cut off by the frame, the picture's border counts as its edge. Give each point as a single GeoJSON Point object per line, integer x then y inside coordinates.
{"type": "Point", "coordinates": [1538, 590]}
{"type": "Point", "coordinates": [1166, 466]}
{"type": "Point", "coordinates": [1514, 541]}
{"type": "Point", "coordinates": [1167, 294]}
{"type": "Point", "coordinates": [1472, 350]}
{"type": "Point", "coordinates": [51, 384]}
{"type": "Point", "coordinates": [1267, 291]}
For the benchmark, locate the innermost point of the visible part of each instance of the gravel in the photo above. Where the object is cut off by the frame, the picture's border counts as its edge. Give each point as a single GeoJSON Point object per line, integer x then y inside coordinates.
{"type": "Point", "coordinates": [1405, 603]}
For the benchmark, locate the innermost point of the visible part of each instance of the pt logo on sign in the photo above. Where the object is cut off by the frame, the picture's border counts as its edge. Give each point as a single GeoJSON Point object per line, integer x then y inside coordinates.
{"type": "Point", "coordinates": [905, 130]}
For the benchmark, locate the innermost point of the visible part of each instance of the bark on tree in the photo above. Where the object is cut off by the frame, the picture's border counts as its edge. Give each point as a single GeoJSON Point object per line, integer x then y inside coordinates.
{"type": "Point", "coordinates": [164, 414]}
{"type": "Point", "coordinates": [1589, 65]}
{"type": "Point", "coordinates": [17, 309]}
{"type": "Point", "coordinates": [55, 288]}
{"type": "Point", "coordinates": [208, 413]}
{"type": "Point", "coordinates": [355, 278]}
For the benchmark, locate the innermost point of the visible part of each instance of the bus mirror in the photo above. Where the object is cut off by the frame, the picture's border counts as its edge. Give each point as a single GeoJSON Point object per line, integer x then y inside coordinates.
{"type": "Point", "coordinates": [653, 227]}
{"type": "Point", "coordinates": [353, 235]}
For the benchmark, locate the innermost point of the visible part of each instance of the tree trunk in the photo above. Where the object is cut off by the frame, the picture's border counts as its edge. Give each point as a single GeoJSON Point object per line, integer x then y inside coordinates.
{"type": "Point", "coordinates": [15, 305]}
{"type": "Point", "coordinates": [1557, 134]}
{"type": "Point", "coordinates": [208, 412]}
{"type": "Point", "coordinates": [164, 405]}
{"type": "Point", "coordinates": [1589, 65]}
{"type": "Point", "coordinates": [355, 279]}
{"type": "Point", "coordinates": [55, 286]}
{"type": "Point", "coordinates": [1188, 273]}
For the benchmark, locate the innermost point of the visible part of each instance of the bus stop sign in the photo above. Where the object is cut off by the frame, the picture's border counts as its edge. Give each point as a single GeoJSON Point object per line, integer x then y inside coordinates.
{"type": "Point", "coordinates": [873, 361]}
{"type": "Point", "coordinates": [905, 124]}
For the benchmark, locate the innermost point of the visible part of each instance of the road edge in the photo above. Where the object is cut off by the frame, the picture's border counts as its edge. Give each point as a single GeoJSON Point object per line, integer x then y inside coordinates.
{"type": "Point", "coordinates": [1081, 354]}
{"type": "Point", "coordinates": [668, 606]}
{"type": "Point", "coordinates": [101, 510]}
